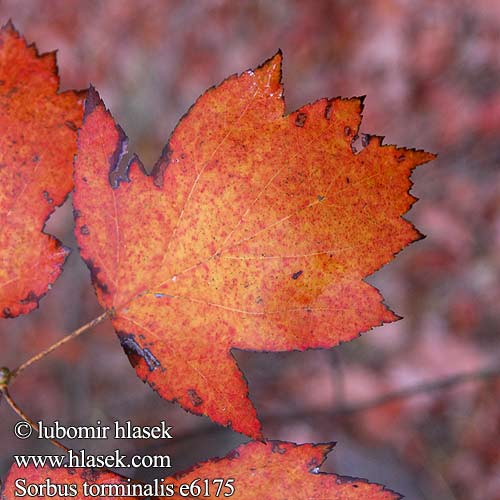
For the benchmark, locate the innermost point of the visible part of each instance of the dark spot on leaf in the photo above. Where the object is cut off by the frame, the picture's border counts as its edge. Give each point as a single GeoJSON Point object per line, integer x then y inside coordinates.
{"type": "Point", "coordinates": [161, 165]}
{"type": "Point", "coordinates": [84, 230]}
{"type": "Point", "coordinates": [258, 300]}
{"type": "Point", "coordinates": [35, 159]}
{"type": "Point", "coordinates": [135, 352]}
{"type": "Point", "coordinates": [401, 158]}
{"type": "Point", "coordinates": [344, 480]}
{"type": "Point", "coordinates": [92, 100]}
{"type": "Point", "coordinates": [276, 448]}
{"type": "Point", "coordinates": [46, 197]}
{"type": "Point", "coordinates": [194, 397]}
{"type": "Point", "coordinates": [90, 475]}
{"type": "Point", "coordinates": [71, 125]}
{"type": "Point", "coordinates": [31, 297]}
{"type": "Point", "coordinates": [233, 455]}
{"type": "Point", "coordinates": [328, 110]}
{"type": "Point", "coordinates": [7, 313]}
{"type": "Point", "coordinates": [94, 274]}
{"type": "Point", "coordinates": [76, 213]}
{"type": "Point", "coordinates": [347, 130]}
{"type": "Point", "coordinates": [347, 180]}
{"type": "Point", "coordinates": [296, 275]}
{"type": "Point", "coordinates": [357, 144]}
{"type": "Point", "coordinates": [11, 92]}
{"type": "Point", "coordinates": [118, 170]}
{"type": "Point", "coordinates": [300, 120]}
{"type": "Point", "coordinates": [321, 198]}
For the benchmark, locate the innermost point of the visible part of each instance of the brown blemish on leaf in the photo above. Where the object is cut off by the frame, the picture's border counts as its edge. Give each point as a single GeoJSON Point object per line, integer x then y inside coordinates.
{"type": "Point", "coordinates": [31, 297]}
{"type": "Point", "coordinates": [91, 475]}
{"type": "Point", "coordinates": [92, 100]}
{"type": "Point", "coordinates": [300, 120]}
{"type": "Point", "coordinates": [84, 230]}
{"type": "Point", "coordinates": [135, 352]}
{"type": "Point", "coordinates": [194, 397]}
{"type": "Point", "coordinates": [328, 110]}
{"type": "Point", "coordinates": [161, 165]}
{"type": "Point", "coordinates": [71, 125]}
{"type": "Point", "coordinates": [94, 275]}
{"type": "Point", "coordinates": [7, 313]}
{"type": "Point", "coordinates": [118, 169]}
{"type": "Point", "coordinates": [276, 448]}
{"type": "Point", "coordinates": [233, 455]}
{"type": "Point", "coordinates": [47, 197]}
{"type": "Point", "coordinates": [296, 275]}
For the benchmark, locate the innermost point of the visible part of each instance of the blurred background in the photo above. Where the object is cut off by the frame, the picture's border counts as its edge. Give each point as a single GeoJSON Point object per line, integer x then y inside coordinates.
{"type": "Point", "coordinates": [431, 73]}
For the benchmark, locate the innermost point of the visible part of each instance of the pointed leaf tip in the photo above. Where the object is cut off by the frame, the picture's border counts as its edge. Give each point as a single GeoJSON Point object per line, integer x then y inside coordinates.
{"type": "Point", "coordinates": [271, 70]}
{"type": "Point", "coordinates": [92, 100]}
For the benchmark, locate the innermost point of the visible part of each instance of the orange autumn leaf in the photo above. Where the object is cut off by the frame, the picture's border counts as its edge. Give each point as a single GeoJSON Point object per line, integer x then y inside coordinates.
{"type": "Point", "coordinates": [277, 470]}
{"type": "Point", "coordinates": [255, 231]}
{"type": "Point", "coordinates": [37, 143]}
{"type": "Point", "coordinates": [57, 483]}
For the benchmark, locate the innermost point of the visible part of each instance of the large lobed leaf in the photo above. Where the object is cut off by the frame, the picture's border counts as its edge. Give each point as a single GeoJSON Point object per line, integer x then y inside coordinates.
{"type": "Point", "coordinates": [37, 143]}
{"type": "Point", "coordinates": [255, 231]}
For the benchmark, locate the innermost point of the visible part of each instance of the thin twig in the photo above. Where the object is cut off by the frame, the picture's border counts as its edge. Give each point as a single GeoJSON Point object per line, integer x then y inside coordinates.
{"type": "Point", "coordinates": [53, 347]}
{"type": "Point", "coordinates": [21, 414]}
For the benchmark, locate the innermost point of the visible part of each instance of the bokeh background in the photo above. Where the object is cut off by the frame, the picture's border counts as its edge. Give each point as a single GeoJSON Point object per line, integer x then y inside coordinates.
{"type": "Point", "coordinates": [431, 73]}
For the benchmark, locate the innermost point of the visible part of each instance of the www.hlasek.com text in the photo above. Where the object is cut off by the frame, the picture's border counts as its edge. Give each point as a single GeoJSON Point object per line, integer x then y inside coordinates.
{"type": "Point", "coordinates": [82, 460]}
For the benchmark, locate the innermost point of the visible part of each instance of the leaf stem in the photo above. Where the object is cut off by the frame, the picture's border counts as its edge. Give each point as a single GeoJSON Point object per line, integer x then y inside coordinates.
{"type": "Point", "coordinates": [67, 338]}
{"type": "Point", "coordinates": [21, 414]}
